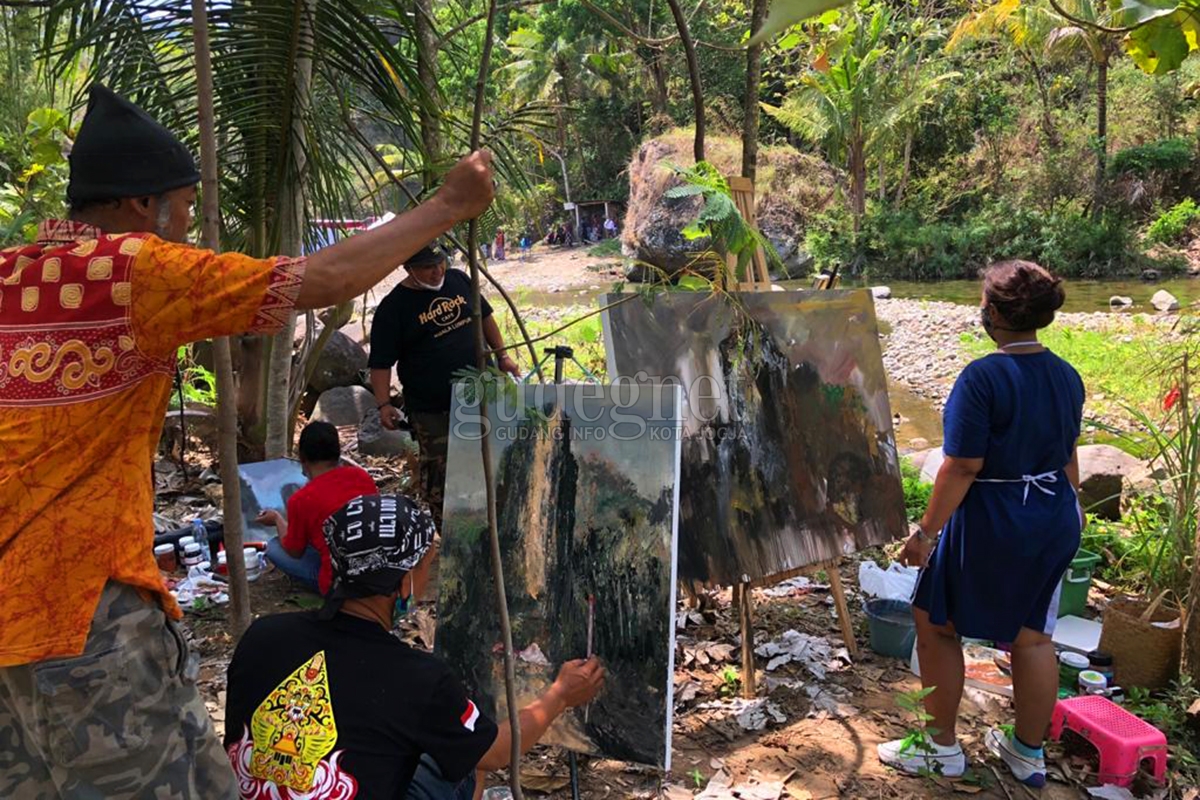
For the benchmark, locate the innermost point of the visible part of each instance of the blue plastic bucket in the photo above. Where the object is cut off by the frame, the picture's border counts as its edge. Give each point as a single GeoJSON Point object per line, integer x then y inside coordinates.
{"type": "Point", "coordinates": [892, 628]}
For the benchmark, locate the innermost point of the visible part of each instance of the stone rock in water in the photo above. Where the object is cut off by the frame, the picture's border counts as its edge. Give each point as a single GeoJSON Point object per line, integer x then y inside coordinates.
{"type": "Point", "coordinates": [1151, 275]}
{"type": "Point", "coordinates": [376, 440]}
{"type": "Point", "coordinates": [881, 292]}
{"type": "Point", "coordinates": [1117, 301]}
{"type": "Point", "coordinates": [1164, 301]}
{"type": "Point", "coordinates": [344, 405]}
{"type": "Point", "coordinates": [339, 363]}
{"type": "Point", "coordinates": [931, 465]}
{"type": "Point", "coordinates": [1104, 472]}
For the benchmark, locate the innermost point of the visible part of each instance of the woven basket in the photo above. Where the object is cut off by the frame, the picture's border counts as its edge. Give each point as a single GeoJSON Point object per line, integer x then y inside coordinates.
{"type": "Point", "coordinates": [1143, 655]}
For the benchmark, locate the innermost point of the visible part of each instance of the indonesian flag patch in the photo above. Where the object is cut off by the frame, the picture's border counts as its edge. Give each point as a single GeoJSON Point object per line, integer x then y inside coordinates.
{"type": "Point", "coordinates": [470, 716]}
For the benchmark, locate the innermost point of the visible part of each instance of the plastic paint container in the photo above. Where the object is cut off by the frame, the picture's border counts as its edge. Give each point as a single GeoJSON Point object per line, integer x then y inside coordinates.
{"type": "Point", "coordinates": [1102, 663]}
{"type": "Point", "coordinates": [191, 555]}
{"type": "Point", "coordinates": [1069, 666]}
{"type": "Point", "coordinates": [181, 545]}
{"type": "Point", "coordinates": [164, 554]}
{"type": "Point", "coordinates": [1092, 682]}
{"type": "Point", "coordinates": [250, 555]}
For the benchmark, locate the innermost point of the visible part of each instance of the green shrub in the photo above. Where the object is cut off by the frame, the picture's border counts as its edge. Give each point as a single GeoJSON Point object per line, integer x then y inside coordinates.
{"type": "Point", "coordinates": [905, 245]}
{"type": "Point", "coordinates": [1171, 225]}
{"type": "Point", "coordinates": [916, 491]}
{"type": "Point", "coordinates": [1165, 155]}
{"type": "Point", "coordinates": [605, 249]}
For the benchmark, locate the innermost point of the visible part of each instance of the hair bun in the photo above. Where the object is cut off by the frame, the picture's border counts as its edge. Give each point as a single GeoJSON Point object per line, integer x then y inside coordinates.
{"type": "Point", "coordinates": [1024, 293]}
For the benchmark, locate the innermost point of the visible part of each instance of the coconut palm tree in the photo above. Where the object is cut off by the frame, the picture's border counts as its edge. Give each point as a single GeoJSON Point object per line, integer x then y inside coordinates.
{"type": "Point", "coordinates": [1079, 27]}
{"type": "Point", "coordinates": [859, 93]}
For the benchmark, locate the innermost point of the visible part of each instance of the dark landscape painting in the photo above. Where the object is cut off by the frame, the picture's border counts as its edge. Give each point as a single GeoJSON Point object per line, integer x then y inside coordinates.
{"type": "Point", "coordinates": [267, 484]}
{"type": "Point", "coordinates": [587, 490]}
{"type": "Point", "coordinates": [789, 456]}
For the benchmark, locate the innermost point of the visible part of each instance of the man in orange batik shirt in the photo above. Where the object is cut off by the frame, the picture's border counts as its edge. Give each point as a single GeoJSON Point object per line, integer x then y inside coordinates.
{"type": "Point", "coordinates": [97, 690]}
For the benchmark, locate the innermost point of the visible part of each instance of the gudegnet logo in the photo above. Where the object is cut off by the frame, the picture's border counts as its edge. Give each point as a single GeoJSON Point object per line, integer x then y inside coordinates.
{"type": "Point", "coordinates": [444, 311]}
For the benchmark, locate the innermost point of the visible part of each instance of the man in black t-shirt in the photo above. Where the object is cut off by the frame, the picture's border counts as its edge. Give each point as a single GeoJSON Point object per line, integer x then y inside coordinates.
{"type": "Point", "coordinates": [331, 705]}
{"type": "Point", "coordinates": [423, 327]}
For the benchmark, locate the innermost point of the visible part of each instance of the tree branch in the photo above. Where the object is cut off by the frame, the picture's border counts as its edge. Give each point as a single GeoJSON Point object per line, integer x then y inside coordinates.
{"type": "Point", "coordinates": [1093, 25]}
{"type": "Point", "coordinates": [460, 27]}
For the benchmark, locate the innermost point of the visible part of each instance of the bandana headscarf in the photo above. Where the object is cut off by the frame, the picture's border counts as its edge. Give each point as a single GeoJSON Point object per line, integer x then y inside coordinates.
{"type": "Point", "coordinates": [374, 541]}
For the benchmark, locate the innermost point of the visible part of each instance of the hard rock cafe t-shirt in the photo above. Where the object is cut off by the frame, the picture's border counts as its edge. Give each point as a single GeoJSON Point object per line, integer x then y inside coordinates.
{"type": "Point", "coordinates": [342, 709]}
{"type": "Point", "coordinates": [428, 336]}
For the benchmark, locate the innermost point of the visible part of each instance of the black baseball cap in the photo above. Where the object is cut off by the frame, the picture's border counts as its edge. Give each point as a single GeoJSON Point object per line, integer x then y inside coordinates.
{"type": "Point", "coordinates": [428, 256]}
{"type": "Point", "coordinates": [374, 541]}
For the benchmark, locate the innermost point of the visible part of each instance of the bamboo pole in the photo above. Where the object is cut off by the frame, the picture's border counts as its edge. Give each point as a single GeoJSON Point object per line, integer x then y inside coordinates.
{"type": "Point", "coordinates": [231, 490]}
{"type": "Point", "coordinates": [510, 677]}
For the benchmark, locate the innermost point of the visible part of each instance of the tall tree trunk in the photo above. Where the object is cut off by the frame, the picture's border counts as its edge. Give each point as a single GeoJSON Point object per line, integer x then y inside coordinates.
{"type": "Point", "coordinates": [427, 76]}
{"type": "Point", "coordinates": [231, 491]}
{"type": "Point", "coordinates": [659, 97]}
{"type": "Point", "coordinates": [1101, 137]}
{"type": "Point", "coordinates": [689, 50]}
{"type": "Point", "coordinates": [750, 110]}
{"type": "Point", "coordinates": [858, 182]}
{"type": "Point", "coordinates": [276, 443]}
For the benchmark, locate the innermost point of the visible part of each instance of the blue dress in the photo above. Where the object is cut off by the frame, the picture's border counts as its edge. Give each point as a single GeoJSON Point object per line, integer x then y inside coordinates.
{"type": "Point", "coordinates": [1002, 555]}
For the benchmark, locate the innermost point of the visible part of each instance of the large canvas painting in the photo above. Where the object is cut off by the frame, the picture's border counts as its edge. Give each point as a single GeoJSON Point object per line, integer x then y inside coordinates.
{"type": "Point", "coordinates": [267, 484]}
{"type": "Point", "coordinates": [587, 488]}
{"type": "Point", "coordinates": [789, 455]}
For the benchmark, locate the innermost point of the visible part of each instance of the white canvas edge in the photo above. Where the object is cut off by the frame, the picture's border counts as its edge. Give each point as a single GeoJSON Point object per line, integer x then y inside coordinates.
{"type": "Point", "coordinates": [678, 392]}
{"type": "Point", "coordinates": [610, 360]}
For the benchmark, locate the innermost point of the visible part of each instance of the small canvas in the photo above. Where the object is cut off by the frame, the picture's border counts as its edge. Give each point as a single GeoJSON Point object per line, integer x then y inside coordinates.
{"type": "Point", "coordinates": [267, 484]}
{"type": "Point", "coordinates": [789, 456]}
{"type": "Point", "coordinates": [586, 480]}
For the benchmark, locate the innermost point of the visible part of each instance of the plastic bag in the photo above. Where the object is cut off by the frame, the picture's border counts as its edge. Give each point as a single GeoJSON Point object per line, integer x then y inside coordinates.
{"type": "Point", "coordinates": [894, 583]}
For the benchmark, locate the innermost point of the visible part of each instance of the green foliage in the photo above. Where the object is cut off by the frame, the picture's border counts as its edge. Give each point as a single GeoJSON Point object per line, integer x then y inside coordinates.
{"type": "Point", "coordinates": [783, 14]}
{"type": "Point", "coordinates": [719, 220]}
{"type": "Point", "coordinates": [916, 737]}
{"type": "Point", "coordinates": [1172, 224]}
{"type": "Point", "coordinates": [731, 683]}
{"type": "Point", "coordinates": [917, 491]}
{"type": "Point", "coordinates": [1165, 155]}
{"type": "Point", "coordinates": [37, 175]}
{"type": "Point", "coordinates": [905, 244]}
{"type": "Point", "coordinates": [199, 384]}
{"type": "Point", "coordinates": [1168, 711]}
{"type": "Point", "coordinates": [605, 249]}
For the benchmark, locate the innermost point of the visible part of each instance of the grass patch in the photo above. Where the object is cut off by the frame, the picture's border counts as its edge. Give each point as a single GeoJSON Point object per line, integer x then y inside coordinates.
{"type": "Point", "coordinates": [585, 337]}
{"type": "Point", "coordinates": [1117, 367]}
{"type": "Point", "coordinates": [609, 248]}
{"type": "Point", "coordinates": [916, 491]}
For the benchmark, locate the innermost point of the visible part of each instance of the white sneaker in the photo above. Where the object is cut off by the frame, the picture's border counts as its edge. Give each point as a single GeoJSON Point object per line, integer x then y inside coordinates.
{"type": "Point", "coordinates": [924, 757]}
{"type": "Point", "coordinates": [1029, 771]}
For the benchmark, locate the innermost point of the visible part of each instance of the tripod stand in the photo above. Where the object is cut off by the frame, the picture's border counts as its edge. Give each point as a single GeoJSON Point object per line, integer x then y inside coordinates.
{"type": "Point", "coordinates": [560, 354]}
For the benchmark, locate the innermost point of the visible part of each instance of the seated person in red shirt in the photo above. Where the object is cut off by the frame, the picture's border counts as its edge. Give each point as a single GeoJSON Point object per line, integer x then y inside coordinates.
{"type": "Point", "coordinates": [300, 550]}
{"type": "Point", "coordinates": [329, 704]}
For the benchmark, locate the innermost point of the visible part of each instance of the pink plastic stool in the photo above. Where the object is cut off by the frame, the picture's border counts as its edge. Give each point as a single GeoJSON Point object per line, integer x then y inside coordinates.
{"type": "Point", "coordinates": [1122, 739]}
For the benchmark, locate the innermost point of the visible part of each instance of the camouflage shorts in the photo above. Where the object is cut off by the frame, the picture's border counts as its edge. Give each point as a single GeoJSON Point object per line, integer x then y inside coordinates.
{"type": "Point", "coordinates": [433, 438]}
{"type": "Point", "coordinates": [122, 720]}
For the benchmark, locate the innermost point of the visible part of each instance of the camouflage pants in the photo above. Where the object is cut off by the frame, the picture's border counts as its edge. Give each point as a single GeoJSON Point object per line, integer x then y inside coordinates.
{"type": "Point", "coordinates": [122, 720]}
{"type": "Point", "coordinates": [433, 437]}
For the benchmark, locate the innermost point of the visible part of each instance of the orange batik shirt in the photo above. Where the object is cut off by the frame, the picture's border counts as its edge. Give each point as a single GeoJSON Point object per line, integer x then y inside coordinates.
{"type": "Point", "coordinates": [89, 328]}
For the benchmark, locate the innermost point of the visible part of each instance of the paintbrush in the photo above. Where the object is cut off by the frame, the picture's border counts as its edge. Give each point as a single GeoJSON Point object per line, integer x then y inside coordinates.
{"type": "Point", "coordinates": [587, 712]}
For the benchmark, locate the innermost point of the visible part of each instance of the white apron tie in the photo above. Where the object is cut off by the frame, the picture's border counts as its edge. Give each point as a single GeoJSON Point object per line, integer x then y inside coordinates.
{"type": "Point", "coordinates": [1035, 481]}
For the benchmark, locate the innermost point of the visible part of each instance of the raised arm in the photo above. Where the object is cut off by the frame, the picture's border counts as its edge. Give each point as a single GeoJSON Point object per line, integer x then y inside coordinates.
{"type": "Point", "coordinates": [350, 267]}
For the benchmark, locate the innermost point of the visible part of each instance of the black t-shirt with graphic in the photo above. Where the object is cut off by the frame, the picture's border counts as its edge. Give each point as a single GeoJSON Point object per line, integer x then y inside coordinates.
{"type": "Point", "coordinates": [428, 336]}
{"type": "Point", "coordinates": [343, 709]}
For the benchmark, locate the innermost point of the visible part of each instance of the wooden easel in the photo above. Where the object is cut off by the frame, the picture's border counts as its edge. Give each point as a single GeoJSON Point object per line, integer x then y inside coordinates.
{"type": "Point", "coordinates": [758, 279]}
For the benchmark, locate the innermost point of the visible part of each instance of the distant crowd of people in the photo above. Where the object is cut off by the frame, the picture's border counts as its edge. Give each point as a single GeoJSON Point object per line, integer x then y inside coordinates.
{"type": "Point", "coordinates": [562, 234]}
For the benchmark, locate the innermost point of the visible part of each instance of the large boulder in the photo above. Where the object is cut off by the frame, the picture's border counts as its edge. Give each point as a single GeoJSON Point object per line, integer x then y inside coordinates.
{"type": "Point", "coordinates": [791, 187]}
{"type": "Point", "coordinates": [1164, 301]}
{"type": "Point", "coordinates": [376, 440]}
{"type": "Point", "coordinates": [344, 405]}
{"type": "Point", "coordinates": [1104, 474]}
{"type": "Point", "coordinates": [881, 292]}
{"type": "Point", "coordinates": [340, 363]}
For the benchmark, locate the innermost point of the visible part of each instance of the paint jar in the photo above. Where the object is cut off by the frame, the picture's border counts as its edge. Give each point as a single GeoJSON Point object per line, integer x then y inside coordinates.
{"type": "Point", "coordinates": [164, 554]}
{"type": "Point", "coordinates": [181, 545]}
{"type": "Point", "coordinates": [191, 555]}
{"type": "Point", "coordinates": [250, 555]}
{"type": "Point", "coordinates": [1102, 663]}
{"type": "Point", "coordinates": [1069, 666]}
{"type": "Point", "coordinates": [1092, 682]}
{"type": "Point", "coordinates": [222, 564]}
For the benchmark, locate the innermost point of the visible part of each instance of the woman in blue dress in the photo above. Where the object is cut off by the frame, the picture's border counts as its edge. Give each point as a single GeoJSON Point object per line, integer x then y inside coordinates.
{"type": "Point", "coordinates": [1002, 526]}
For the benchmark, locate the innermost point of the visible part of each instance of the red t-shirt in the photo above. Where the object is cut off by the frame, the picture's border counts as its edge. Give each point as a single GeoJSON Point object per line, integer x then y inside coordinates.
{"type": "Point", "coordinates": [309, 507]}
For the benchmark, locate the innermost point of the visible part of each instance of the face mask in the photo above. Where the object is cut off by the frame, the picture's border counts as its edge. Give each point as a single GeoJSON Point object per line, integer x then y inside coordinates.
{"type": "Point", "coordinates": [433, 287]}
{"type": "Point", "coordinates": [986, 320]}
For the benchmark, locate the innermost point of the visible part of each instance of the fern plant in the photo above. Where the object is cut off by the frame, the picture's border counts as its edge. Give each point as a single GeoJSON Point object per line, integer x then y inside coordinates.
{"type": "Point", "coordinates": [720, 221]}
